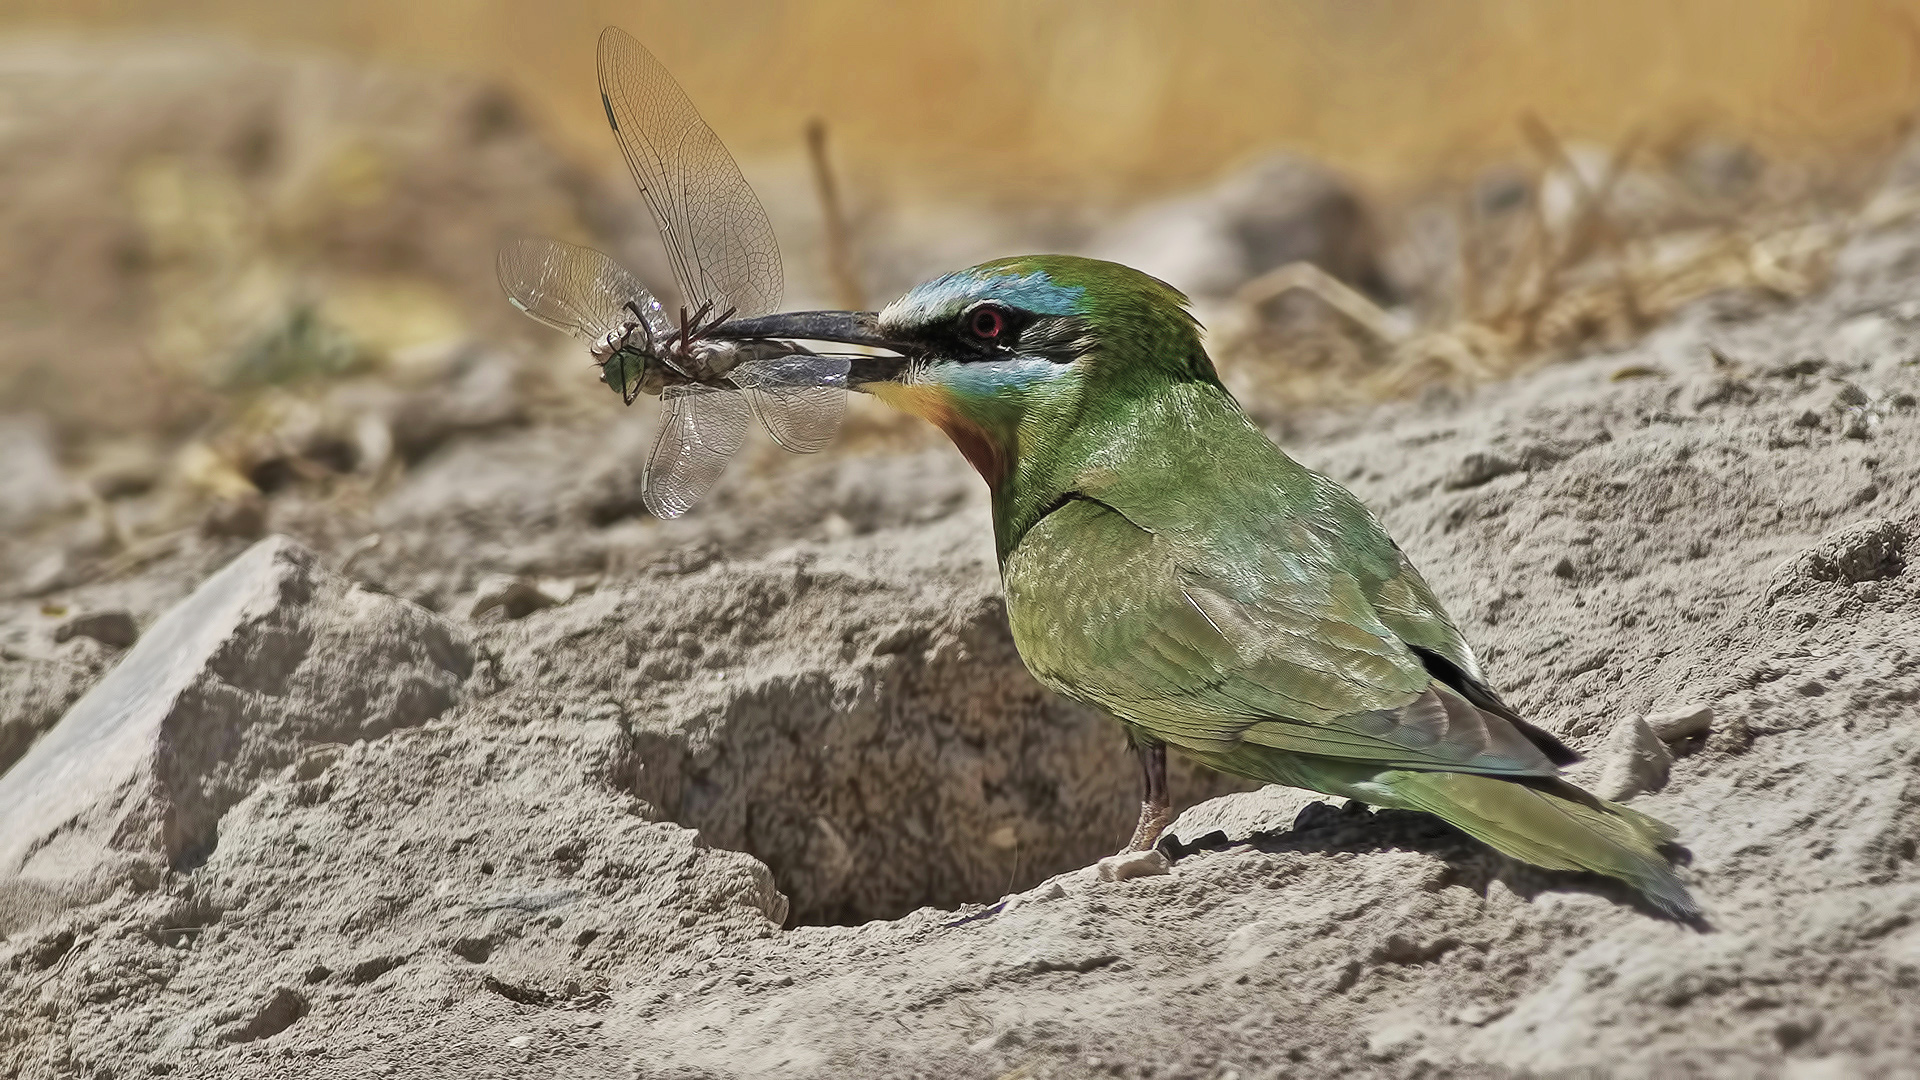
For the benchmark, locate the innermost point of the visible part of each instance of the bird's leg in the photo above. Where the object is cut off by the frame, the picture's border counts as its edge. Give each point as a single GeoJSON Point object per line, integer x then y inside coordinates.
{"type": "Point", "coordinates": [1156, 808]}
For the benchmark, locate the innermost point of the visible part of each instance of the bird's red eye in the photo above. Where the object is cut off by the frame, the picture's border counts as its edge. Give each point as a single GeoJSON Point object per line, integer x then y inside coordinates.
{"type": "Point", "coordinates": [987, 323]}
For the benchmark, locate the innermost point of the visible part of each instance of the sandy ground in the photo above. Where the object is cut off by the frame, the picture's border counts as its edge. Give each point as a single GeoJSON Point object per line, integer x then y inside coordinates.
{"type": "Point", "coordinates": [480, 772]}
{"type": "Point", "coordinates": [826, 689]}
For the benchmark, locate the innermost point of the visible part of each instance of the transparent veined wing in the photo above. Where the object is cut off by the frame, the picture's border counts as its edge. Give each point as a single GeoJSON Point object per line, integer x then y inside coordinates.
{"type": "Point", "coordinates": [800, 398]}
{"type": "Point", "coordinates": [701, 428]}
{"type": "Point", "coordinates": [573, 288]}
{"type": "Point", "coordinates": [717, 235]}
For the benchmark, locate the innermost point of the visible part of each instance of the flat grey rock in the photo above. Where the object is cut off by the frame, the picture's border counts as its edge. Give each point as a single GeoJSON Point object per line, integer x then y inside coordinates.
{"type": "Point", "coordinates": [1242, 814]}
{"type": "Point", "coordinates": [271, 654]}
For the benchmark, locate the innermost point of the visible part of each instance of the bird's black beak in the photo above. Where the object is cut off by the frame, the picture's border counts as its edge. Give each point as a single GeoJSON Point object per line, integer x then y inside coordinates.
{"type": "Point", "coordinates": [842, 327]}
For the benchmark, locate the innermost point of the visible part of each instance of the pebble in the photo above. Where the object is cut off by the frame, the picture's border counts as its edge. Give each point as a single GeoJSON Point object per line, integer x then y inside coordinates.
{"type": "Point", "coordinates": [518, 597]}
{"type": "Point", "coordinates": [1133, 864]}
{"type": "Point", "coordinates": [1673, 725]}
{"type": "Point", "coordinates": [1050, 890]}
{"type": "Point", "coordinates": [1632, 760]}
{"type": "Point", "coordinates": [1477, 468]}
{"type": "Point", "coordinates": [114, 628]}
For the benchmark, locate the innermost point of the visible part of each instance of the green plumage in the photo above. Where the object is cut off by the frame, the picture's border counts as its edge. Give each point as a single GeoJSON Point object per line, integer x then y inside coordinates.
{"type": "Point", "coordinates": [1164, 561]}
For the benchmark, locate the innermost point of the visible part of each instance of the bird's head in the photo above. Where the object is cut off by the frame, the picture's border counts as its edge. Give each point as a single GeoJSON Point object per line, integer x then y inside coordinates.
{"type": "Point", "coordinates": [1010, 357]}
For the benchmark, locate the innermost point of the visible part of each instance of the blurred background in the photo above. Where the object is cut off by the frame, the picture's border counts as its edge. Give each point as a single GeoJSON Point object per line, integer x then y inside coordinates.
{"type": "Point", "coordinates": [246, 250]}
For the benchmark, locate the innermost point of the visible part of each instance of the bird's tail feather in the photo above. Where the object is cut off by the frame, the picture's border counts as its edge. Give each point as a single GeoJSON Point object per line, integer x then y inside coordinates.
{"type": "Point", "coordinates": [1549, 830]}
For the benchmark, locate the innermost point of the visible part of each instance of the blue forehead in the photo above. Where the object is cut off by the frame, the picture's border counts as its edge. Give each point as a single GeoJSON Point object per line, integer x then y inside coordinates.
{"type": "Point", "coordinates": [945, 297]}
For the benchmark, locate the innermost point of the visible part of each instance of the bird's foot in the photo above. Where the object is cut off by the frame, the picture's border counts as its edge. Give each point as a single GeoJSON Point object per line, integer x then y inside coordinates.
{"type": "Point", "coordinates": [1154, 819]}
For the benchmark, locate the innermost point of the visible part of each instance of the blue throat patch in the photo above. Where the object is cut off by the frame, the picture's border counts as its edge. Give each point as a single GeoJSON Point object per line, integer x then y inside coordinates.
{"type": "Point", "coordinates": [990, 378]}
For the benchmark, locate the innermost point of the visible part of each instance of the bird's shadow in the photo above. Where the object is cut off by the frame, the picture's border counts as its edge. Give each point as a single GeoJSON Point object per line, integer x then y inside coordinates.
{"type": "Point", "coordinates": [1320, 828]}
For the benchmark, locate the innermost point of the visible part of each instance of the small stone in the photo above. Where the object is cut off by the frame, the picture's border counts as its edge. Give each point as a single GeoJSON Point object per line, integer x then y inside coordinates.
{"type": "Point", "coordinates": [1232, 817]}
{"type": "Point", "coordinates": [520, 1042]}
{"type": "Point", "coordinates": [1133, 864]}
{"type": "Point", "coordinates": [114, 628]}
{"type": "Point", "coordinates": [1051, 889]}
{"type": "Point", "coordinates": [517, 597]}
{"type": "Point", "coordinates": [1673, 725]}
{"type": "Point", "coordinates": [240, 518]}
{"type": "Point", "coordinates": [1477, 468]}
{"type": "Point", "coordinates": [1633, 760]}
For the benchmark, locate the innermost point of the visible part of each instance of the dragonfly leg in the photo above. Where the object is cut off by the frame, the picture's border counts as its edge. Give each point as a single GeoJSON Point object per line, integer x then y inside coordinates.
{"type": "Point", "coordinates": [690, 323]}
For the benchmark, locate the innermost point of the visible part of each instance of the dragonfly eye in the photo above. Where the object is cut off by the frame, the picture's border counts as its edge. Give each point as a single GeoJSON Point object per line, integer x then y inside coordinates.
{"type": "Point", "coordinates": [987, 322]}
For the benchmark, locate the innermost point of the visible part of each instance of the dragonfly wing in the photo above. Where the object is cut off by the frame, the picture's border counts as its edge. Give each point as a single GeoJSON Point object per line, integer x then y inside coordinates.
{"type": "Point", "coordinates": [573, 288]}
{"type": "Point", "coordinates": [717, 235]}
{"type": "Point", "coordinates": [701, 429]}
{"type": "Point", "coordinates": [800, 399]}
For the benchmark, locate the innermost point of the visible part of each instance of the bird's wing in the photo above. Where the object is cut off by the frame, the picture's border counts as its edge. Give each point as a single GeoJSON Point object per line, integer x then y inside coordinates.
{"type": "Point", "coordinates": [1273, 644]}
{"type": "Point", "coordinates": [1354, 541]}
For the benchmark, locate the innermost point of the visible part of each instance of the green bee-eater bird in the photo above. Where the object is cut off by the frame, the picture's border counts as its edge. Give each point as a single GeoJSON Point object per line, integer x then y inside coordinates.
{"type": "Point", "coordinates": [1166, 562]}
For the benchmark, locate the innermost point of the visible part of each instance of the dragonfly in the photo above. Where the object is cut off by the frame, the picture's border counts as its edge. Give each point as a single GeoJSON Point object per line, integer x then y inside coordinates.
{"type": "Point", "coordinates": [720, 246]}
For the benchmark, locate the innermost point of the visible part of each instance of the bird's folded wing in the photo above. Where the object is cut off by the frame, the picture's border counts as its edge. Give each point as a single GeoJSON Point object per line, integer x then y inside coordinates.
{"type": "Point", "coordinates": [1282, 649]}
